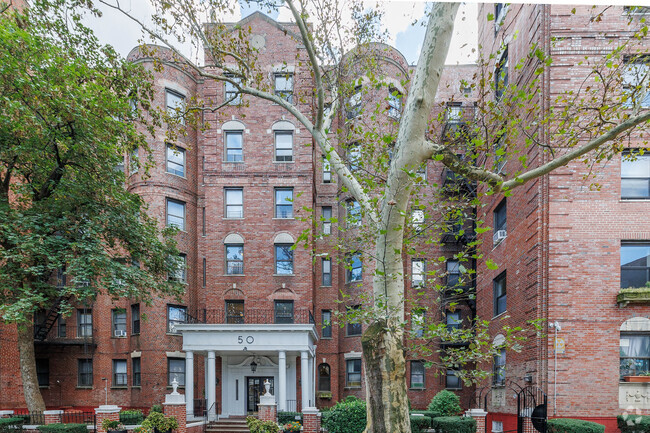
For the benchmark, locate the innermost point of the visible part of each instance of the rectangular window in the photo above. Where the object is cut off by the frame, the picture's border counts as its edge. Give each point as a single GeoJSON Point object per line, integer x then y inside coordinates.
{"type": "Point", "coordinates": [234, 146]}
{"type": "Point", "coordinates": [500, 216]}
{"type": "Point", "coordinates": [175, 104]}
{"type": "Point", "coordinates": [181, 274]}
{"type": "Point", "coordinates": [499, 373]}
{"type": "Point", "coordinates": [326, 269]}
{"type": "Point", "coordinates": [175, 160]}
{"type": "Point", "coordinates": [284, 86]}
{"type": "Point", "coordinates": [327, 220]}
{"type": "Point", "coordinates": [354, 268]}
{"type": "Point", "coordinates": [61, 328]}
{"type": "Point", "coordinates": [135, 318]}
{"type": "Point", "coordinates": [353, 155]}
{"type": "Point", "coordinates": [134, 160]}
{"type": "Point", "coordinates": [353, 373]}
{"type": "Point", "coordinates": [453, 320]}
{"type": "Point", "coordinates": [136, 371]}
{"type": "Point", "coordinates": [418, 320]}
{"type": "Point", "coordinates": [205, 270]}
{"type": "Point", "coordinates": [353, 328]}
{"type": "Point", "coordinates": [235, 312]}
{"type": "Point", "coordinates": [635, 264]}
{"type": "Point", "coordinates": [327, 170]}
{"type": "Point", "coordinates": [118, 322]}
{"type": "Point", "coordinates": [175, 315]}
{"type": "Point", "coordinates": [635, 176]}
{"type": "Point", "coordinates": [176, 370]}
{"type": "Point", "coordinates": [499, 285]}
{"type": "Point", "coordinates": [283, 259]}
{"type": "Point", "coordinates": [326, 322]}
{"type": "Point", "coordinates": [501, 75]}
{"type": "Point", "coordinates": [353, 106]}
{"type": "Point", "coordinates": [417, 374]}
{"type": "Point", "coordinates": [84, 372]}
{"type": "Point", "coordinates": [452, 381]}
{"type": "Point", "coordinates": [500, 153]}
{"type": "Point", "coordinates": [283, 146]}
{"type": "Point", "coordinates": [454, 112]}
{"type": "Point", "coordinates": [176, 213]}
{"type": "Point", "coordinates": [84, 323]}
{"type": "Point", "coordinates": [636, 81]}
{"type": "Point", "coordinates": [453, 273]}
{"type": "Point", "coordinates": [43, 372]}
{"type": "Point", "coordinates": [394, 103]}
{"type": "Point", "coordinates": [119, 372]}
{"type": "Point", "coordinates": [234, 259]}
{"type": "Point", "coordinates": [234, 202]}
{"type": "Point", "coordinates": [283, 311]}
{"type": "Point", "coordinates": [417, 272]}
{"type": "Point", "coordinates": [61, 277]}
{"type": "Point", "coordinates": [417, 220]}
{"type": "Point", "coordinates": [284, 202]}
{"type": "Point", "coordinates": [353, 213]}
{"type": "Point", "coordinates": [232, 96]}
{"type": "Point", "coordinates": [634, 354]}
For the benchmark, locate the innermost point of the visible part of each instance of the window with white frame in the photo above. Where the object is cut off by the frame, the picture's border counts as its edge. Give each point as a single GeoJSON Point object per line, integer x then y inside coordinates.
{"type": "Point", "coordinates": [284, 202]}
{"type": "Point", "coordinates": [353, 327]}
{"type": "Point", "coordinates": [454, 112]}
{"type": "Point", "coordinates": [136, 372]}
{"type": "Point", "coordinates": [635, 175]}
{"type": "Point", "coordinates": [284, 86]}
{"type": "Point", "coordinates": [394, 103]}
{"type": "Point", "coordinates": [453, 320]}
{"type": "Point", "coordinates": [635, 264]}
{"type": "Point", "coordinates": [417, 374]}
{"type": "Point", "coordinates": [175, 104]}
{"type": "Point", "coordinates": [234, 202]}
{"type": "Point", "coordinates": [353, 373]}
{"type": "Point", "coordinates": [326, 269]}
{"type": "Point", "coordinates": [353, 107]}
{"type": "Point", "coordinates": [327, 220]}
{"type": "Point", "coordinates": [417, 272]}
{"type": "Point", "coordinates": [84, 323]}
{"type": "Point", "coordinates": [176, 315]}
{"type": "Point", "coordinates": [176, 214]}
{"type": "Point", "coordinates": [176, 370]}
{"type": "Point", "coordinates": [499, 371]}
{"type": "Point", "coordinates": [181, 272]}
{"type": "Point", "coordinates": [175, 160]}
{"type": "Point", "coordinates": [327, 170]}
{"type": "Point", "coordinates": [118, 318]}
{"type": "Point", "coordinates": [326, 322]}
{"type": "Point", "coordinates": [120, 377]}
{"type": "Point", "coordinates": [636, 81]}
{"type": "Point", "coordinates": [353, 155]}
{"type": "Point", "coordinates": [499, 285]}
{"type": "Point", "coordinates": [354, 268]}
{"type": "Point", "coordinates": [353, 213]}
{"type": "Point", "coordinates": [234, 259]}
{"type": "Point", "coordinates": [283, 146]}
{"type": "Point", "coordinates": [84, 372]}
{"type": "Point", "coordinates": [283, 259]}
{"type": "Point", "coordinates": [234, 146]}
{"type": "Point", "coordinates": [453, 273]}
{"type": "Point", "coordinates": [418, 319]}
{"type": "Point", "coordinates": [231, 94]}
{"type": "Point", "coordinates": [417, 220]}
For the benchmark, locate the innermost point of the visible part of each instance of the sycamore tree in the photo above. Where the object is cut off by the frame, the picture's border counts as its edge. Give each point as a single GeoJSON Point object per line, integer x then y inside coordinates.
{"type": "Point", "coordinates": [590, 123]}
{"type": "Point", "coordinates": [67, 117]}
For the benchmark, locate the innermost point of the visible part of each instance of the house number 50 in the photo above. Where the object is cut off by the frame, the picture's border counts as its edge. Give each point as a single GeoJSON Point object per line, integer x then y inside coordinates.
{"type": "Point", "coordinates": [249, 339]}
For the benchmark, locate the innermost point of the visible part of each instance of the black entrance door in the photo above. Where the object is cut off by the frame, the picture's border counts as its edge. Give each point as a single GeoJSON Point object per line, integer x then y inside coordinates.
{"type": "Point", "coordinates": [255, 388]}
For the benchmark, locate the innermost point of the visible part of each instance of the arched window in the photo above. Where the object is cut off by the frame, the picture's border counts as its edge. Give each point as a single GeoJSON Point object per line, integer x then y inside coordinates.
{"type": "Point", "coordinates": [324, 381]}
{"type": "Point", "coordinates": [635, 347]}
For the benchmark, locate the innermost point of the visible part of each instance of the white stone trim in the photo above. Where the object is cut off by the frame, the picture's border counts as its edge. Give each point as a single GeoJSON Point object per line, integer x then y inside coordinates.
{"type": "Point", "coordinates": [283, 238]}
{"type": "Point", "coordinates": [636, 324]}
{"type": "Point", "coordinates": [136, 354]}
{"type": "Point", "coordinates": [352, 355]}
{"type": "Point", "coordinates": [283, 125]}
{"type": "Point", "coordinates": [233, 125]}
{"type": "Point", "coordinates": [234, 238]}
{"type": "Point", "coordinates": [175, 354]}
{"type": "Point", "coordinates": [52, 412]}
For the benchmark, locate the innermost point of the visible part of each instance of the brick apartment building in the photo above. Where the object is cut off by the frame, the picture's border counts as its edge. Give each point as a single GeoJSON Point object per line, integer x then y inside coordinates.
{"type": "Point", "coordinates": [255, 309]}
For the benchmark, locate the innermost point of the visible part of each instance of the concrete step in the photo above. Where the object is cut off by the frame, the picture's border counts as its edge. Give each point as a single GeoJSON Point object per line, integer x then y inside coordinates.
{"type": "Point", "coordinates": [228, 425]}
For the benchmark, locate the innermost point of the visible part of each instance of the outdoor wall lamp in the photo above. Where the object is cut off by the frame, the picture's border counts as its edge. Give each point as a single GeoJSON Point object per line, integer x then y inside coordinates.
{"type": "Point", "coordinates": [253, 366]}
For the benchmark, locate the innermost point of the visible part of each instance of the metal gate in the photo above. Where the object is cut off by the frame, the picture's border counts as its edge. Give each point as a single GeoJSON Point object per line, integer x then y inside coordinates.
{"type": "Point", "coordinates": [531, 410]}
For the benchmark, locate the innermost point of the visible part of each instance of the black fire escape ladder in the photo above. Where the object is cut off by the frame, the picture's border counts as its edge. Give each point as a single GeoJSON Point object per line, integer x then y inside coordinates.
{"type": "Point", "coordinates": [42, 329]}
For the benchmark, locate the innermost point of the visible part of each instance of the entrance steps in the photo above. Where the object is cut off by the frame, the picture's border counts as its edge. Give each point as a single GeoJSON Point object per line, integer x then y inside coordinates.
{"type": "Point", "coordinates": [228, 425]}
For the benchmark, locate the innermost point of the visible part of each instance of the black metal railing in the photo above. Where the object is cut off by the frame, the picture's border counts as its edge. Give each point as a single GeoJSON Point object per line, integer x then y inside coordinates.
{"type": "Point", "coordinates": [78, 417]}
{"type": "Point", "coordinates": [254, 316]}
{"type": "Point", "coordinates": [30, 418]}
{"type": "Point", "coordinates": [199, 406]}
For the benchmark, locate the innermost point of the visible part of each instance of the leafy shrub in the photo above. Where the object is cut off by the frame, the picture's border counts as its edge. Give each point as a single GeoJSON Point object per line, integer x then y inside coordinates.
{"type": "Point", "coordinates": [156, 408]}
{"type": "Point", "coordinates": [63, 428]}
{"type": "Point", "coordinates": [568, 425]}
{"type": "Point", "coordinates": [287, 417]}
{"type": "Point", "coordinates": [160, 422]}
{"type": "Point", "coordinates": [347, 416]}
{"type": "Point", "coordinates": [429, 413]}
{"type": "Point", "coordinates": [258, 426]}
{"type": "Point", "coordinates": [446, 403]}
{"type": "Point", "coordinates": [111, 425]}
{"type": "Point", "coordinates": [454, 424]}
{"type": "Point", "coordinates": [633, 423]}
{"type": "Point", "coordinates": [131, 417]}
{"type": "Point", "coordinates": [11, 425]}
{"type": "Point", "coordinates": [419, 423]}
{"type": "Point", "coordinates": [292, 427]}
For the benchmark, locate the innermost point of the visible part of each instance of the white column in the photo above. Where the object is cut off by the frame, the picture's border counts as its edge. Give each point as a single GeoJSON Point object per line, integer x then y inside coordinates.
{"type": "Point", "coordinates": [312, 400]}
{"type": "Point", "coordinates": [189, 383]}
{"type": "Point", "coordinates": [282, 378]}
{"type": "Point", "coordinates": [211, 385]}
{"type": "Point", "coordinates": [304, 378]}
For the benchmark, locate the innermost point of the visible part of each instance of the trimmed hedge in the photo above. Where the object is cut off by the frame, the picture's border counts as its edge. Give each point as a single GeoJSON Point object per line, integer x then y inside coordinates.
{"type": "Point", "coordinates": [446, 403]}
{"type": "Point", "coordinates": [10, 425]}
{"type": "Point", "coordinates": [633, 423]}
{"type": "Point", "coordinates": [454, 424]}
{"type": "Point", "coordinates": [287, 417]}
{"type": "Point", "coordinates": [569, 425]}
{"type": "Point", "coordinates": [347, 416]}
{"type": "Point", "coordinates": [131, 417]}
{"type": "Point", "coordinates": [419, 423]}
{"type": "Point", "coordinates": [431, 414]}
{"type": "Point", "coordinates": [63, 428]}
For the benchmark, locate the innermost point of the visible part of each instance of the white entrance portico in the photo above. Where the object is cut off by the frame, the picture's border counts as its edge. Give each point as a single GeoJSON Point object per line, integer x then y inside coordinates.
{"type": "Point", "coordinates": [250, 353]}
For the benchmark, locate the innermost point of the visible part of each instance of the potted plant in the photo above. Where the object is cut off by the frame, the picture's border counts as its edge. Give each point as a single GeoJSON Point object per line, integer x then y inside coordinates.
{"type": "Point", "coordinates": [640, 378]}
{"type": "Point", "coordinates": [159, 423]}
{"type": "Point", "coordinates": [291, 427]}
{"type": "Point", "coordinates": [113, 426]}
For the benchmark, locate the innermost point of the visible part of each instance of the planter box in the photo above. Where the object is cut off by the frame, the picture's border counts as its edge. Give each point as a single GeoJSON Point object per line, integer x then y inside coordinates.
{"type": "Point", "coordinates": [639, 295]}
{"type": "Point", "coordinates": [637, 379]}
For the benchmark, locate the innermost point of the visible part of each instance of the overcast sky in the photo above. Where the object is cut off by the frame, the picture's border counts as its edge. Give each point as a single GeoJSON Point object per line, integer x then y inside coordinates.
{"type": "Point", "coordinates": [115, 29]}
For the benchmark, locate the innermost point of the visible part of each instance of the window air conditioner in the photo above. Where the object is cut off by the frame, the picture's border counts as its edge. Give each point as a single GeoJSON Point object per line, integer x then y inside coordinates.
{"type": "Point", "coordinates": [499, 236]}
{"type": "Point", "coordinates": [120, 333]}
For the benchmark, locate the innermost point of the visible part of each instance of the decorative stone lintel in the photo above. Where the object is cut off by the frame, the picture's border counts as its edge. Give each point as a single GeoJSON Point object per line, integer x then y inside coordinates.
{"type": "Point", "coordinates": [475, 413]}
{"type": "Point", "coordinates": [108, 408]}
{"type": "Point", "coordinates": [52, 412]}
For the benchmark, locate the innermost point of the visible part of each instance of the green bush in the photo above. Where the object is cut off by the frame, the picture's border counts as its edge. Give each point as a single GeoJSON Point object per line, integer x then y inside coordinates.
{"type": "Point", "coordinates": [63, 428]}
{"type": "Point", "coordinates": [287, 417]}
{"type": "Point", "coordinates": [160, 422]}
{"type": "Point", "coordinates": [347, 416]}
{"type": "Point", "coordinates": [419, 423]}
{"type": "Point", "coordinates": [10, 425]}
{"type": "Point", "coordinates": [156, 408]}
{"type": "Point", "coordinates": [257, 426]}
{"type": "Point", "coordinates": [633, 423]}
{"type": "Point", "coordinates": [429, 413]}
{"type": "Point", "coordinates": [568, 425]}
{"type": "Point", "coordinates": [446, 403]}
{"type": "Point", "coordinates": [454, 424]}
{"type": "Point", "coordinates": [131, 417]}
